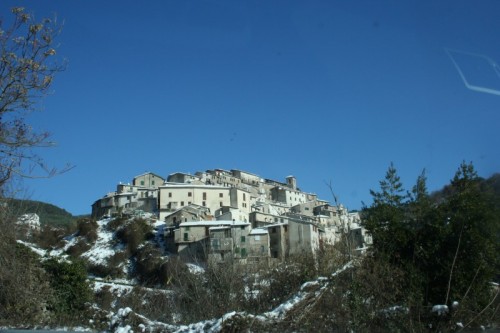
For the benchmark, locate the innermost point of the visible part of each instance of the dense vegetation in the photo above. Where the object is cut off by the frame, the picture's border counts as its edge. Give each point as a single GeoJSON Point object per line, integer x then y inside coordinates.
{"type": "Point", "coordinates": [445, 246]}
{"type": "Point", "coordinates": [49, 214]}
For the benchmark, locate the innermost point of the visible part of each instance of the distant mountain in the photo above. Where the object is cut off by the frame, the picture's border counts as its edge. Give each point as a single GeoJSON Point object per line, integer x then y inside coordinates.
{"type": "Point", "coordinates": [48, 213]}
{"type": "Point", "coordinates": [491, 185]}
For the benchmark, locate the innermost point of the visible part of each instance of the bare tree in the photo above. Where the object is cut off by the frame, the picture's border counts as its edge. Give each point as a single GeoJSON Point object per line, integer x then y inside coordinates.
{"type": "Point", "coordinates": [27, 68]}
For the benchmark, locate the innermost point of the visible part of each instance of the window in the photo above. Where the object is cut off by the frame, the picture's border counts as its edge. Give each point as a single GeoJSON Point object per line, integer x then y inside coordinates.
{"type": "Point", "coordinates": [186, 236]}
{"type": "Point", "coordinates": [242, 227]}
{"type": "Point", "coordinates": [244, 197]}
{"type": "Point", "coordinates": [152, 182]}
{"type": "Point", "coordinates": [204, 204]}
{"type": "Point", "coordinates": [169, 194]}
{"type": "Point", "coordinates": [182, 203]}
{"type": "Point", "coordinates": [243, 252]}
{"type": "Point", "coordinates": [220, 195]}
{"type": "Point", "coordinates": [190, 194]}
{"type": "Point", "coordinates": [204, 196]}
{"type": "Point", "coordinates": [243, 239]}
{"type": "Point", "coordinates": [142, 182]}
{"type": "Point", "coordinates": [221, 203]}
{"type": "Point", "coordinates": [186, 228]}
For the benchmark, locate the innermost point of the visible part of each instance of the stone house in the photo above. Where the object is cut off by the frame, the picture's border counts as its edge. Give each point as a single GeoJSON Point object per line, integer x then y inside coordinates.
{"type": "Point", "coordinates": [173, 196]}
{"type": "Point", "coordinates": [258, 244]}
{"type": "Point", "coordinates": [189, 213]}
{"type": "Point", "coordinates": [221, 239]}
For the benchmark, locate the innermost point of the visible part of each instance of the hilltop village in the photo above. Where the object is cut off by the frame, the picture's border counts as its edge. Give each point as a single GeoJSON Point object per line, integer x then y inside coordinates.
{"type": "Point", "coordinates": [225, 215]}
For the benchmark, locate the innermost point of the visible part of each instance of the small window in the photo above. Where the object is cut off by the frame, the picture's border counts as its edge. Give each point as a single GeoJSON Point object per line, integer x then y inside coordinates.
{"type": "Point", "coordinates": [243, 239]}
{"type": "Point", "coordinates": [243, 252]}
{"type": "Point", "coordinates": [169, 194]}
{"type": "Point", "coordinates": [221, 195]}
{"type": "Point", "coordinates": [186, 228]}
{"type": "Point", "coordinates": [142, 182]}
{"type": "Point", "coordinates": [190, 194]}
{"type": "Point", "coordinates": [152, 182]}
{"type": "Point", "coordinates": [186, 236]}
{"type": "Point", "coordinates": [244, 197]}
{"type": "Point", "coordinates": [204, 204]}
{"type": "Point", "coordinates": [182, 203]}
{"type": "Point", "coordinates": [204, 196]}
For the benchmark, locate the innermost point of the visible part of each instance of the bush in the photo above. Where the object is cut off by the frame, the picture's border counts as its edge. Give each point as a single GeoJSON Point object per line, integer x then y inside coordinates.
{"type": "Point", "coordinates": [111, 269]}
{"type": "Point", "coordinates": [87, 228]}
{"type": "Point", "coordinates": [134, 233]}
{"type": "Point", "coordinates": [78, 248]}
{"type": "Point", "coordinates": [148, 265]}
{"type": "Point", "coordinates": [50, 237]}
{"type": "Point", "coordinates": [116, 223]}
{"type": "Point", "coordinates": [25, 290]}
{"type": "Point", "coordinates": [69, 280]}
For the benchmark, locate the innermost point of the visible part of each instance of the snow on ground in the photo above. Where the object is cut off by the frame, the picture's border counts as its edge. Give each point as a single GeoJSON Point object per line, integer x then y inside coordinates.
{"type": "Point", "coordinates": [103, 247]}
{"type": "Point", "coordinates": [195, 269]}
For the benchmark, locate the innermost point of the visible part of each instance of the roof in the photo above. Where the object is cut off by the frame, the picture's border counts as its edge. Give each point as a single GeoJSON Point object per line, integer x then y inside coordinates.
{"type": "Point", "coordinates": [219, 228]}
{"type": "Point", "coordinates": [213, 223]}
{"type": "Point", "coordinates": [149, 173]}
{"type": "Point", "coordinates": [259, 231]}
{"type": "Point", "coordinates": [181, 185]}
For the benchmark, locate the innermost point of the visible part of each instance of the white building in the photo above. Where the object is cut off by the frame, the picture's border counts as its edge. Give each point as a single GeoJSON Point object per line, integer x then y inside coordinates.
{"type": "Point", "coordinates": [173, 196]}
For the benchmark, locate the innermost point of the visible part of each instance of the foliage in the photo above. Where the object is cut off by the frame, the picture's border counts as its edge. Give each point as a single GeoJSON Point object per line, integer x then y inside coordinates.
{"type": "Point", "coordinates": [134, 233]}
{"type": "Point", "coordinates": [69, 280]}
{"type": "Point", "coordinates": [25, 290]}
{"type": "Point", "coordinates": [149, 265]}
{"type": "Point", "coordinates": [87, 228]}
{"type": "Point", "coordinates": [49, 214]}
{"type": "Point", "coordinates": [448, 249]}
{"type": "Point", "coordinates": [27, 68]}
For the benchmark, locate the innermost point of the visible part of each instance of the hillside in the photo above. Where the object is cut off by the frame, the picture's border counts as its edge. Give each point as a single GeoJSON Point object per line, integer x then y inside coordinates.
{"type": "Point", "coordinates": [129, 297]}
{"type": "Point", "coordinates": [49, 214]}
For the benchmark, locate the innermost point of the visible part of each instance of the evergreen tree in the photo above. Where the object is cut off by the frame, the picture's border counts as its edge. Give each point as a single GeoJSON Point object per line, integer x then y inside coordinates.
{"type": "Point", "coordinates": [449, 248]}
{"type": "Point", "coordinates": [385, 218]}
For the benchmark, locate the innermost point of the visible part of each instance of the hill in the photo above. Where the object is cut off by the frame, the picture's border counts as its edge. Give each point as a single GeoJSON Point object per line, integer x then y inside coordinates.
{"type": "Point", "coordinates": [49, 214]}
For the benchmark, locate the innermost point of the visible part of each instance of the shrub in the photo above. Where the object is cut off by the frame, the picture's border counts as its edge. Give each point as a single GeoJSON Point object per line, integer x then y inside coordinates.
{"type": "Point", "coordinates": [134, 233]}
{"type": "Point", "coordinates": [50, 237]}
{"type": "Point", "coordinates": [112, 268]}
{"type": "Point", "coordinates": [116, 223]}
{"type": "Point", "coordinates": [25, 290]}
{"type": "Point", "coordinates": [87, 228]}
{"type": "Point", "coordinates": [148, 265]}
{"type": "Point", "coordinates": [78, 248]}
{"type": "Point", "coordinates": [69, 280]}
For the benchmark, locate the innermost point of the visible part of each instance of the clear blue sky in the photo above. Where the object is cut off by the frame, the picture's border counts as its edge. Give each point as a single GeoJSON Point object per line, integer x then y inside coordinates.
{"type": "Point", "coordinates": [324, 90]}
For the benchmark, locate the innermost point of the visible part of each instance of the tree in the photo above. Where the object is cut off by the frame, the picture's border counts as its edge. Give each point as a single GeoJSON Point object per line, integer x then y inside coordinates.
{"type": "Point", "coordinates": [447, 244]}
{"type": "Point", "coordinates": [27, 68]}
{"type": "Point", "coordinates": [385, 218]}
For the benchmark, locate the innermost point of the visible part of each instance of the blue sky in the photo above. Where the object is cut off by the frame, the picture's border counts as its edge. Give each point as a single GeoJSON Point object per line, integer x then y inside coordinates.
{"type": "Point", "coordinates": [329, 91]}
